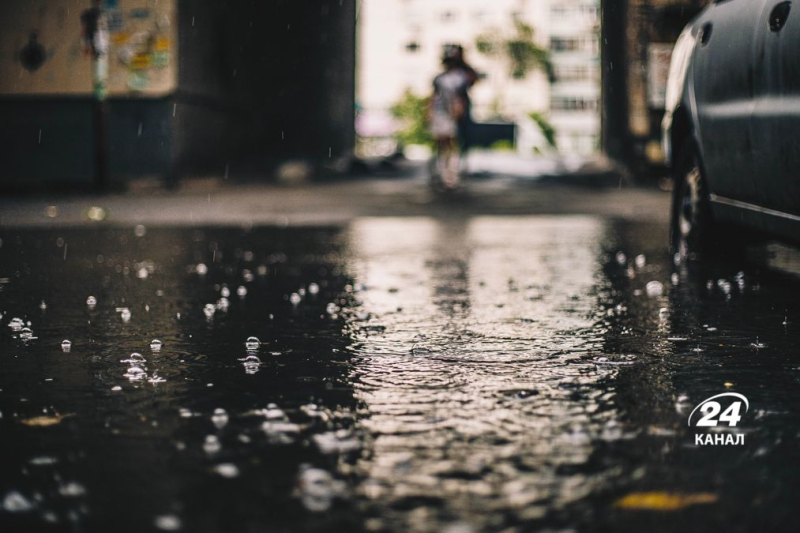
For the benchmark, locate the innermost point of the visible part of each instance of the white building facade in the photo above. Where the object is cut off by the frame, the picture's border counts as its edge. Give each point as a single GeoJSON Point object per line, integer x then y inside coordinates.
{"type": "Point", "coordinates": [401, 43]}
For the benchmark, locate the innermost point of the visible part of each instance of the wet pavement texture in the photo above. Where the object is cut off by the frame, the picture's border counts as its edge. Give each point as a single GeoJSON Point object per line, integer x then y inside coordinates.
{"type": "Point", "coordinates": [429, 374]}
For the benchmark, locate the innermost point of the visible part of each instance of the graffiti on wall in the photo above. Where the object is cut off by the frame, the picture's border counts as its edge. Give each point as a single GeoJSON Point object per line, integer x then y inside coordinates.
{"type": "Point", "coordinates": [43, 47]}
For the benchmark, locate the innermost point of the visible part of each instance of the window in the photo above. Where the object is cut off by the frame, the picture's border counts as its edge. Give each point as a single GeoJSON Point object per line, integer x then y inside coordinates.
{"type": "Point", "coordinates": [573, 103]}
{"type": "Point", "coordinates": [448, 16]}
{"type": "Point", "coordinates": [583, 43]}
{"type": "Point", "coordinates": [567, 72]}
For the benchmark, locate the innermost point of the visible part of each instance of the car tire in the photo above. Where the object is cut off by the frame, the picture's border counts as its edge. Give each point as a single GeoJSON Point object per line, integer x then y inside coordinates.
{"type": "Point", "coordinates": [692, 224]}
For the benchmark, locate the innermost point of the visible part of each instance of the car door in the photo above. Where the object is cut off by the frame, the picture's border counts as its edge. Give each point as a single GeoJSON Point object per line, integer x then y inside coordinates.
{"type": "Point", "coordinates": [723, 78]}
{"type": "Point", "coordinates": [776, 117]}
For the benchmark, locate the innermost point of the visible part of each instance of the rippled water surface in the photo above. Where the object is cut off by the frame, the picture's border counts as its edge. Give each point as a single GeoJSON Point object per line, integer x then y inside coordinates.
{"type": "Point", "coordinates": [478, 374]}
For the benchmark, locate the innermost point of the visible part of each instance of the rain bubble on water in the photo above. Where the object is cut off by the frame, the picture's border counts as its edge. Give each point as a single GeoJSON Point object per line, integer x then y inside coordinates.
{"type": "Point", "coordinates": [209, 310]}
{"type": "Point", "coordinates": [621, 258]}
{"type": "Point", "coordinates": [201, 269]}
{"type": "Point", "coordinates": [251, 364]}
{"type": "Point", "coordinates": [155, 378]}
{"type": "Point", "coordinates": [43, 305]}
{"type": "Point", "coordinates": [26, 334]}
{"type": "Point", "coordinates": [640, 261]}
{"type": "Point", "coordinates": [241, 291]}
{"type": "Point", "coordinates": [295, 298]}
{"type": "Point", "coordinates": [125, 314]}
{"type": "Point", "coordinates": [227, 470]}
{"type": "Point", "coordinates": [225, 292]}
{"type": "Point", "coordinates": [135, 358]}
{"type": "Point", "coordinates": [654, 288]}
{"type": "Point", "coordinates": [313, 288]}
{"type": "Point", "coordinates": [16, 324]}
{"type": "Point", "coordinates": [66, 346]}
{"type": "Point", "coordinates": [167, 522]}
{"type": "Point", "coordinates": [91, 301]}
{"type": "Point", "coordinates": [14, 502]}
{"type": "Point", "coordinates": [211, 445]}
{"type": "Point", "coordinates": [252, 343]}
{"type": "Point", "coordinates": [220, 418]}
{"type": "Point", "coordinates": [135, 373]}
{"type": "Point", "coordinates": [140, 230]}
{"type": "Point", "coordinates": [675, 278]}
{"type": "Point", "coordinates": [223, 304]}
{"type": "Point", "coordinates": [317, 489]}
{"type": "Point", "coordinates": [247, 275]}
{"type": "Point", "coordinates": [155, 345]}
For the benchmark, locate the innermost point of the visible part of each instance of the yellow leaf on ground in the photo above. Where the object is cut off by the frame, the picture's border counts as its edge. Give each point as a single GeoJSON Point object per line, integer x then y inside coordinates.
{"type": "Point", "coordinates": [44, 421]}
{"type": "Point", "coordinates": [663, 501]}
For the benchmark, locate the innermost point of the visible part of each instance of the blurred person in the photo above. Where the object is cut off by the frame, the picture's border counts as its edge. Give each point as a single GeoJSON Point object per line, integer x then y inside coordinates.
{"type": "Point", "coordinates": [447, 107]}
{"type": "Point", "coordinates": [456, 52]}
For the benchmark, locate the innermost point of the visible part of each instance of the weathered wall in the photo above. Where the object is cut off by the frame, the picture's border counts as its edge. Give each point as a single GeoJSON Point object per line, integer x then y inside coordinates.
{"type": "Point", "coordinates": [208, 87]}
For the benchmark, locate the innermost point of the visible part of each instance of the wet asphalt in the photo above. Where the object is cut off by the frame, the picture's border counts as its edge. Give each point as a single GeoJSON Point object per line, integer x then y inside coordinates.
{"type": "Point", "coordinates": [446, 366]}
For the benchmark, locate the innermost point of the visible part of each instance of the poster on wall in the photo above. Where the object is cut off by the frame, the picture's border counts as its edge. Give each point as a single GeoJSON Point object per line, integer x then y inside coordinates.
{"type": "Point", "coordinates": [658, 58]}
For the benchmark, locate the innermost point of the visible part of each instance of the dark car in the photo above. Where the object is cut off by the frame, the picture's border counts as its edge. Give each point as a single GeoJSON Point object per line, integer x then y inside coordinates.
{"type": "Point", "coordinates": [732, 123]}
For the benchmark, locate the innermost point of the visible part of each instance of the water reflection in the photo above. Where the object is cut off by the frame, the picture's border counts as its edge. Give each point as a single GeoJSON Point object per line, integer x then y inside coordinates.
{"type": "Point", "coordinates": [482, 389]}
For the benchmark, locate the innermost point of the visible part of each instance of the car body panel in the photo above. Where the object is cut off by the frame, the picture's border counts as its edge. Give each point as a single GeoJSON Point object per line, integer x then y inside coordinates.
{"type": "Point", "coordinates": [726, 101]}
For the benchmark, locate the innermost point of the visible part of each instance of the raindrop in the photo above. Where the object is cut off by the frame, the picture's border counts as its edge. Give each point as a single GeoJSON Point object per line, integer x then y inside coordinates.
{"type": "Point", "coordinates": [621, 258]}
{"type": "Point", "coordinates": [91, 301]}
{"type": "Point", "coordinates": [209, 310]}
{"type": "Point", "coordinates": [640, 261]}
{"type": "Point", "coordinates": [247, 275]}
{"type": "Point", "coordinates": [26, 334]}
{"type": "Point", "coordinates": [758, 345]}
{"type": "Point", "coordinates": [225, 292]}
{"type": "Point", "coordinates": [142, 273]}
{"type": "Point", "coordinates": [66, 346]}
{"type": "Point", "coordinates": [155, 345]}
{"type": "Point", "coordinates": [16, 324]}
{"type": "Point", "coordinates": [252, 343]}
{"type": "Point", "coordinates": [313, 288]}
{"type": "Point", "coordinates": [155, 378]}
{"type": "Point", "coordinates": [674, 278]}
{"type": "Point", "coordinates": [125, 314]}
{"type": "Point", "coordinates": [241, 291]}
{"type": "Point", "coordinates": [201, 269]}
{"type": "Point", "coordinates": [332, 308]}
{"type": "Point", "coordinates": [295, 298]}
{"type": "Point", "coordinates": [43, 305]}
{"type": "Point", "coordinates": [140, 230]}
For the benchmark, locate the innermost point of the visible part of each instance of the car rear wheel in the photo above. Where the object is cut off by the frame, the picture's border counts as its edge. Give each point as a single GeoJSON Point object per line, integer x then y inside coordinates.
{"type": "Point", "coordinates": [692, 224]}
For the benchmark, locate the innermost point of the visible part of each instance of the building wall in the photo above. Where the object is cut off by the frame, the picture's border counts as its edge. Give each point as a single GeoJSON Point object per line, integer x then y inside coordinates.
{"type": "Point", "coordinates": [209, 87]}
{"type": "Point", "coordinates": [638, 36]}
{"type": "Point", "coordinates": [401, 42]}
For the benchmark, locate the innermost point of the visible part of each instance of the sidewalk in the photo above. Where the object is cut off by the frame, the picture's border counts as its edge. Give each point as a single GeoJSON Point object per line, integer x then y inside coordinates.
{"type": "Point", "coordinates": [215, 202]}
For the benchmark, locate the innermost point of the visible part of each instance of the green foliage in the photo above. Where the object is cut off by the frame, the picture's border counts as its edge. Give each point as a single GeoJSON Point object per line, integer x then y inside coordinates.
{"type": "Point", "coordinates": [547, 129]}
{"type": "Point", "coordinates": [521, 50]}
{"type": "Point", "coordinates": [502, 145]}
{"type": "Point", "coordinates": [412, 111]}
